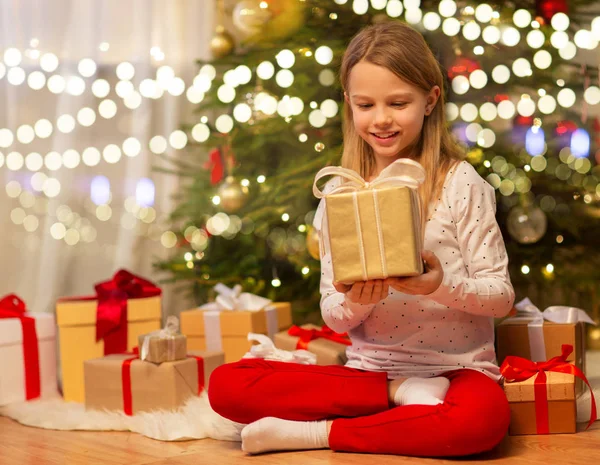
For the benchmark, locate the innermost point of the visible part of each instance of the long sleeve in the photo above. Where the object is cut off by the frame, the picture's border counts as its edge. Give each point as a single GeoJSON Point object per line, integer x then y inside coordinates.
{"type": "Point", "coordinates": [339, 313]}
{"type": "Point", "coordinates": [487, 290]}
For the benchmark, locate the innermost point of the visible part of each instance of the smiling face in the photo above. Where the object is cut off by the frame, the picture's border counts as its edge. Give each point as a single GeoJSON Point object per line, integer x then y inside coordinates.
{"type": "Point", "coordinates": [387, 112]}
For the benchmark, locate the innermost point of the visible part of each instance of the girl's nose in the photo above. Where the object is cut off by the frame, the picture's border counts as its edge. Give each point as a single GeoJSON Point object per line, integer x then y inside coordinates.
{"type": "Point", "coordinates": [383, 118]}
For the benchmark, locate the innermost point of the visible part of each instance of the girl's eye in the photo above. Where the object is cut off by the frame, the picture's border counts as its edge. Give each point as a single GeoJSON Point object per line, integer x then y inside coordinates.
{"type": "Point", "coordinates": [364, 105]}
{"type": "Point", "coordinates": [399, 104]}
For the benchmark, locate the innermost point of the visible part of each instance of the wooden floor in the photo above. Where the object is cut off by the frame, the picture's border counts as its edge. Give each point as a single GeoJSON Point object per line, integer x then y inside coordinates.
{"type": "Point", "coordinates": [21, 445]}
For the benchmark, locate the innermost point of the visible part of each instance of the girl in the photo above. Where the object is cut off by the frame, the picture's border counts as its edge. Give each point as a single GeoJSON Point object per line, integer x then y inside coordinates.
{"type": "Point", "coordinates": [421, 377]}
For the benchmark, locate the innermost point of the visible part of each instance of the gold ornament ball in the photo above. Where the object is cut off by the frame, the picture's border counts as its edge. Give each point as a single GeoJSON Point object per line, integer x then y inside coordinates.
{"type": "Point", "coordinates": [312, 243]}
{"type": "Point", "coordinates": [233, 195]}
{"type": "Point", "coordinates": [222, 43]}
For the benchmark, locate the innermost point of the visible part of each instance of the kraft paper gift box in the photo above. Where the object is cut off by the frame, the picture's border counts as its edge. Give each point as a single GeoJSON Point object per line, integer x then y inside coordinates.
{"type": "Point", "coordinates": [539, 336]}
{"type": "Point", "coordinates": [328, 346]}
{"type": "Point", "coordinates": [374, 227]}
{"type": "Point", "coordinates": [27, 353]}
{"type": "Point", "coordinates": [217, 326]}
{"type": "Point", "coordinates": [122, 382]}
{"type": "Point", "coordinates": [166, 345]}
{"type": "Point", "coordinates": [542, 395]}
{"type": "Point", "coordinates": [110, 322]}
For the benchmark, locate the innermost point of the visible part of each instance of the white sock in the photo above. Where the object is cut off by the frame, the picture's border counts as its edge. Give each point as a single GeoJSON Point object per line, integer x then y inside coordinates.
{"type": "Point", "coordinates": [422, 391]}
{"type": "Point", "coordinates": [271, 434]}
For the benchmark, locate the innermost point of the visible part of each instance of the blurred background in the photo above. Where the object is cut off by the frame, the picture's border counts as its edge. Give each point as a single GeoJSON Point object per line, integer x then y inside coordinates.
{"type": "Point", "coordinates": [180, 139]}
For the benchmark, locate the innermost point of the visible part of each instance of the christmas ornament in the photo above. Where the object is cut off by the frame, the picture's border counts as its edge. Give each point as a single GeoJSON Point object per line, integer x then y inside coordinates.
{"type": "Point", "coordinates": [233, 195]}
{"type": "Point", "coordinates": [548, 8]}
{"type": "Point", "coordinates": [526, 225]}
{"type": "Point", "coordinates": [215, 165]}
{"type": "Point", "coordinates": [249, 17]}
{"type": "Point", "coordinates": [268, 20]}
{"type": "Point", "coordinates": [463, 67]}
{"type": "Point", "coordinates": [312, 243]}
{"type": "Point", "coordinates": [222, 43]}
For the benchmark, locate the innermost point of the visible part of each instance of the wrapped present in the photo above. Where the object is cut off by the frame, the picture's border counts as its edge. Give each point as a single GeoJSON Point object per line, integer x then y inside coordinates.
{"type": "Point", "coordinates": [166, 345]}
{"type": "Point", "coordinates": [109, 322]}
{"type": "Point", "coordinates": [327, 345]}
{"type": "Point", "coordinates": [225, 323]}
{"type": "Point", "coordinates": [375, 227]}
{"type": "Point", "coordinates": [27, 352]}
{"type": "Point", "coordinates": [123, 382]}
{"type": "Point", "coordinates": [539, 336]}
{"type": "Point", "coordinates": [542, 394]}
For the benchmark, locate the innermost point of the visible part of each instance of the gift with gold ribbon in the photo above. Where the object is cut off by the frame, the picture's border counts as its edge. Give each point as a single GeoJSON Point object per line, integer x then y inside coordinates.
{"type": "Point", "coordinates": [374, 228]}
{"type": "Point", "coordinates": [223, 325]}
{"type": "Point", "coordinates": [108, 322]}
{"type": "Point", "coordinates": [326, 344]}
{"type": "Point", "coordinates": [542, 394]}
{"type": "Point", "coordinates": [539, 336]}
{"type": "Point", "coordinates": [27, 352]}
{"type": "Point", "coordinates": [124, 382]}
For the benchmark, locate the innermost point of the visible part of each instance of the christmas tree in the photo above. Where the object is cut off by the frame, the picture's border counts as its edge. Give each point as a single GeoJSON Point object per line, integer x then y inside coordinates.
{"type": "Point", "coordinates": [269, 118]}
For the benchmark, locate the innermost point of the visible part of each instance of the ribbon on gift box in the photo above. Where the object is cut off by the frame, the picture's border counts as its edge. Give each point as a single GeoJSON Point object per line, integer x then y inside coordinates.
{"type": "Point", "coordinates": [266, 350]}
{"type": "Point", "coordinates": [403, 172]}
{"type": "Point", "coordinates": [526, 311]}
{"type": "Point", "coordinates": [170, 330]}
{"type": "Point", "coordinates": [233, 299]}
{"type": "Point", "coordinates": [126, 379]}
{"type": "Point", "coordinates": [12, 306]}
{"type": "Point", "coordinates": [306, 335]}
{"type": "Point", "coordinates": [111, 312]}
{"type": "Point", "coordinates": [520, 369]}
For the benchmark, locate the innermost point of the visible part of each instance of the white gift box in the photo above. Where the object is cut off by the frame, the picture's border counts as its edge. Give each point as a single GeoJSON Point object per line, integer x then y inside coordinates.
{"type": "Point", "coordinates": [12, 368]}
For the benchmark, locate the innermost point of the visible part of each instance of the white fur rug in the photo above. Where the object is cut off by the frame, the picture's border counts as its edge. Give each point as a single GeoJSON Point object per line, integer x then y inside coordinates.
{"type": "Point", "coordinates": [195, 420]}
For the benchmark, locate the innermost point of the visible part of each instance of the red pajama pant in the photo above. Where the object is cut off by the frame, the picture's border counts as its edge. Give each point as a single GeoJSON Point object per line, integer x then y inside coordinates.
{"type": "Point", "coordinates": [473, 418]}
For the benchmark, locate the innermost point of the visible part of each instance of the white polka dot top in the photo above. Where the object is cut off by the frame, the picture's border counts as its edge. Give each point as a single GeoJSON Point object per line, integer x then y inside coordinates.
{"type": "Point", "coordinates": [452, 328]}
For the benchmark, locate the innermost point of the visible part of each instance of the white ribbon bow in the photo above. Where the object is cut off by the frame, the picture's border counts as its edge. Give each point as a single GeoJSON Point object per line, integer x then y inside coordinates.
{"type": "Point", "coordinates": [169, 331]}
{"type": "Point", "coordinates": [266, 350]}
{"type": "Point", "coordinates": [556, 314]}
{"type": "Point", "coordinates": [233, 299]}
{"type": "Point", "coordinates": [403, 172]}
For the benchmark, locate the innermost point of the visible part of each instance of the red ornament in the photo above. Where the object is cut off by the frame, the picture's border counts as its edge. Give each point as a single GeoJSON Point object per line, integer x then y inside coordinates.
{"type": "Point", "coordinates": [565, 127]}
{"type": "Point", "coordinates": [215, 164]}
{"type": "Point", "coordinates": [548, 8]}
{"type": "Point", "coordinates": [463, 66]}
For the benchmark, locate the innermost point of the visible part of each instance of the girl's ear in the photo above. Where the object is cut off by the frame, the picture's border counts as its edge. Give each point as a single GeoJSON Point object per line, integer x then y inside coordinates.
{"type": "Point", "coordinates": [432, 98]}
{"type": "Point", "coordinates": [346, 98]}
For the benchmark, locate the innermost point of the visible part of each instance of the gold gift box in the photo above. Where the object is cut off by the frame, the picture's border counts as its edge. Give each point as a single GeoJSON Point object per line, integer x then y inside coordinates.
{"type": "Point", "coordinates": [327, 352]}
{"type": "Point", "coordinates": [76, 322]}
{"type": "Point", "coordinates": [235, 326]}
{"type": "Point", "coordinates": [562, 407]}
{"type": "Point", "coordinates": [397, 212]}
{"type": "Point", "coordinates": [153, 386]}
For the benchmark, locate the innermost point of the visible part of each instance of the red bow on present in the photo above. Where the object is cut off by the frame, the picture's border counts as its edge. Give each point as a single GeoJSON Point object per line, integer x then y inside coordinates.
{"type": "Point", "coordinates": [520, 369]}
{"type": "Point", "coordinates": [112, 298]}
{"type": "Point", "coordinates": [307, 335]}
{"type": "Point", "coordinates": [11, 306]}
{"type": "Point", "coordinates": [111, 311]}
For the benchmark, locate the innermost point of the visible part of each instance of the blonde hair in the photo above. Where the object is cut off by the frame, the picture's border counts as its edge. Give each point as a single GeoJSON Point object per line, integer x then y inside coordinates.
{"type": "Point", "coordinates": [402, 50]}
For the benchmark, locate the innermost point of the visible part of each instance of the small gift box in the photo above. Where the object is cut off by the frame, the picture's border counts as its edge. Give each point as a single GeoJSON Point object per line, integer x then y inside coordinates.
{"type": "Point", "coordinates": [123, 382]}
{"type": "Point", "coordinates": [27, 352]}
{"type": "Point", "coordinates": [542, 395]}
{"type": "Point", "coordinates": [225, 324]}
{"type": "Point", "coordinates": [374, 227]}
{"type": "Point", "coordinates": [109, 322]}
{"type": "Point", "coordinates": [327, 345]}
{"type": "Point", "coordinates": [166, 345]}
{"type": "Point", "coordinates": [539, 336]}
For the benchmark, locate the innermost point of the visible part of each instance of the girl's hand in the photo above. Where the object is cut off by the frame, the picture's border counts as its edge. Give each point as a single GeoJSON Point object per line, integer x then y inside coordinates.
{"type": "Point", "coordinates": [364, 292]}
{"type": "Point", "coordinates": [423, 284]}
